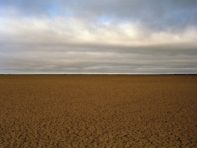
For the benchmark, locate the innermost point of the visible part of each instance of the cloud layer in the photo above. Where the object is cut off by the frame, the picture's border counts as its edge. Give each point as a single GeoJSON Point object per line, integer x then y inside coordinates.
{"type": "Point", "coordinates": [115, 36]}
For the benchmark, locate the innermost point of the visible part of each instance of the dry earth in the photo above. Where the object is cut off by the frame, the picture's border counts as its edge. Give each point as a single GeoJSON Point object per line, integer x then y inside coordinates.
{"type": "Point", "coordinates": [98, 111]}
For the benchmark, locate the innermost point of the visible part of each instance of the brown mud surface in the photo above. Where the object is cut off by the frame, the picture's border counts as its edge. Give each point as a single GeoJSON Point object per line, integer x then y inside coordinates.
{"type": "Point", "coordinates": [62, 111]}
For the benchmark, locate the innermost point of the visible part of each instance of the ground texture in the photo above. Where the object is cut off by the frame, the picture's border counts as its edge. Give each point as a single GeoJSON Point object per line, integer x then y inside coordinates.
{"type": "Point", "coordinates": [98, 111]}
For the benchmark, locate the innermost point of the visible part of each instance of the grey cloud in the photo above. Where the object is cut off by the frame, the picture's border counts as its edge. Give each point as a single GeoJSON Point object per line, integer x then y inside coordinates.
{"type": "Point", "coordinates": [94, 60]}
{"type": "Point", "coordinates": [156, 14]}
{"type": "Point", "coordinates": [165, 36]}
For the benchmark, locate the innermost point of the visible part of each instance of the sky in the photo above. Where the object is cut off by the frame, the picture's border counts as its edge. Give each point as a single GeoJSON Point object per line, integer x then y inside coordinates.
{"type": "Point", "coordinates": [98, 36]}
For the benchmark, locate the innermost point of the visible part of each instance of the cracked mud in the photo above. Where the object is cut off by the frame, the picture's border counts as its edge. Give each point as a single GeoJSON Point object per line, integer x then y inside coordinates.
{"type": "Point", "coordinates": [98, 111]}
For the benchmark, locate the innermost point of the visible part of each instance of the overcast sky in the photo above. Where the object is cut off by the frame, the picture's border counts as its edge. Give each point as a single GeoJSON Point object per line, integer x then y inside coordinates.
{"type": "Point", "coordinates": [98, 36]}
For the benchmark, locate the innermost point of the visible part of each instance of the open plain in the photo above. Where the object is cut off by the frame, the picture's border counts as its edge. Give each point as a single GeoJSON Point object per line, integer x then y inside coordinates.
{"type": "Point", "coordinates": [62, 111]}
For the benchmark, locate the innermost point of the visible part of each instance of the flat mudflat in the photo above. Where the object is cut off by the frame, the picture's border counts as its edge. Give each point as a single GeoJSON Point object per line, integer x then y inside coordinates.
{"type": "Point", "coordinates": [60, 111]}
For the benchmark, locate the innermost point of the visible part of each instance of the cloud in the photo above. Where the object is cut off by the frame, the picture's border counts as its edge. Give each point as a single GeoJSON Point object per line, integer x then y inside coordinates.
{"type": "Point", "coordinates": [160, 15]}
{"type": "Point", "coordinates": [76, 46]}
{"type": "Point", "coordinates": [77, 31]}
{"type": "Point", "coordinates": [82, 60]}
{"type": "Point", "coordinates": [114, 36]}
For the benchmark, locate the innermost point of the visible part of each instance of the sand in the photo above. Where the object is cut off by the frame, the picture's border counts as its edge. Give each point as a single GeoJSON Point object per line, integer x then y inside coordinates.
{"type": "Point", "coordinates": [62, 111]}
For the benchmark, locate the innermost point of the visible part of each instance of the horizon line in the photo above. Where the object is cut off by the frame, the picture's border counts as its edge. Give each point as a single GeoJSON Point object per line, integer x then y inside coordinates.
{"type": "Point", "coordinates": [98, 73]}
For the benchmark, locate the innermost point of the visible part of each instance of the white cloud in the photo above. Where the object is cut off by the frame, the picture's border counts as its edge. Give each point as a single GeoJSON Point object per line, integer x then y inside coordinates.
{"type": "Point", "coordinates": [77, 31]}
{"type": "Point", "coordinates": [74, 45]}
